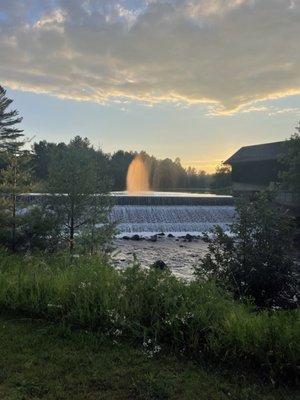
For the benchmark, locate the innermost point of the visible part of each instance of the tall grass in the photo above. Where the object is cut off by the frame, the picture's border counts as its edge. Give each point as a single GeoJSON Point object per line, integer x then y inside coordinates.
{"type": "Point", "coordinates": [153, 307]}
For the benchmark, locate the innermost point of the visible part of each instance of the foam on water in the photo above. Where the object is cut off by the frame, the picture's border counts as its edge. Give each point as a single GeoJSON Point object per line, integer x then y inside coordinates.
{"type": "Point", "coordinates": [147, 213]}
{"type": "Point", "coordinates": [171, 219]}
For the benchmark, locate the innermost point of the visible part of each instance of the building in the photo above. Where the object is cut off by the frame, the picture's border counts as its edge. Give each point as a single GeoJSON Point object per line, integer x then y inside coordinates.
{"type": "Point", "coordinates": [255, 168]}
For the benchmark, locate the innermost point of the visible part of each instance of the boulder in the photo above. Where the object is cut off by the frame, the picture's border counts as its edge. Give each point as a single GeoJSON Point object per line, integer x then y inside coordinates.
{"type": "Point", "coordinates": [159, 264]}
{"type": "Point", "coordinates": [135, 237]}
{"type": "Point", "coordinates": [170, 235]}
{"type": "Point", "coordinates": [153, 238]}
{"type": "Point", "coordinates": [189, 237]}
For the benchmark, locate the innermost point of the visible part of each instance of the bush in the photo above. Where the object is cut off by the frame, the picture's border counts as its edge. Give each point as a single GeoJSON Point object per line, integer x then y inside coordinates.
{"type": "Point", "coordinates": [153, 308]}
{"type": "Point", "coordinates": [254, 259]}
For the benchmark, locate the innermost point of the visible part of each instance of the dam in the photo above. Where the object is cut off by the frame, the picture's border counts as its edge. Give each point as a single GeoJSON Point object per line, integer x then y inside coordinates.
{"type": "Point", "coordinates": [139, 210]}
{"type": "Point", "coordinates": [170, 212]}
{"type": "Point", "coordinates": [148, 213]}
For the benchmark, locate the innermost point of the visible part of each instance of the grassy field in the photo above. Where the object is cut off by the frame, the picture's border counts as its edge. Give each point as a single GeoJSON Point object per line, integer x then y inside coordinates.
{"type": "Point", "coordinates": [42, 360]}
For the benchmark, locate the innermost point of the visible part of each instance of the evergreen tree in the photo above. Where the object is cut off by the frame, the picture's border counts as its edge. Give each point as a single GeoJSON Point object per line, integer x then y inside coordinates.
{"type": "Point", "coordinates": [14, 182]}
{"type": "Point", "coordinates": [10, 136]}
{"type": "Point", "coordinates": [42, 153]}
{"type": "Point", "coordinates": [79, 190]}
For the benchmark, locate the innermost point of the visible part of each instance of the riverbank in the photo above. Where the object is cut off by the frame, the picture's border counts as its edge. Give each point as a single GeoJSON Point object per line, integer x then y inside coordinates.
{"type": "Point", "coordinates": [180, 254]}
{"type": "Point", "coordinates": [43, 360]}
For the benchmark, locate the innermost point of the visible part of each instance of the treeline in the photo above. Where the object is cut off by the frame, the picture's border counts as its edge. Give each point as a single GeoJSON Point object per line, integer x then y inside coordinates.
{"type": "Point", "coordinates": [163, 174]}
{"type": "Point", "coordinates": [77, 179]}
{"type": "Point", "coordinates": [71, 174]}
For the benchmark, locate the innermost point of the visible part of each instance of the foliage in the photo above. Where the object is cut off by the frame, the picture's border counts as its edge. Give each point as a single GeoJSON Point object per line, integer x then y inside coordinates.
{"type": "Point", "coordinates": [118, 166]}
{"type": "Point", "coordinates": [43, 360]}
{"type": "Point", "coordinates": [42, 154]}
{"type": "Point", "coordinates": [153, 308]}
{"type": "Point", "coordinates": [197, 178]}
{"type": "Point", "coordinates": [150, 387]}
{"type": "Point", "coordinates": [167, 174]}
{"type": "Point", "coordinates": [290, 179]}
{"type": "Point", "coordinates": [15, 179]}
{"type": "Point", "coordinates": [222, 178]}
{"type": "Point", "coordinates": [10, 136]}
{"type": "Point", "coordinates": [254, 258]}
{"type": "Point", "coordinates": [40, 230]}
{"type": "Point", "coordinates": [164, 174]}
{"type": "Point", "coordinates": [78, 190]}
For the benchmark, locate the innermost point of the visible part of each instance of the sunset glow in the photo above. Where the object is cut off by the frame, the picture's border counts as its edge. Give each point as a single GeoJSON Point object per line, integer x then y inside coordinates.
{"type": "Point", "coordinates": [188, 79]}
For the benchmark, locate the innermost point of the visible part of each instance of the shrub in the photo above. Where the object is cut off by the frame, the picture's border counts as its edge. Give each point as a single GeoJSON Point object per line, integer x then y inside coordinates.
{"type": "Point", "coordinates": [290, 177]}
{"type": "Point", "coordinates": [153, 308]}
{"type": "Point", "coordinates": [254, 259]}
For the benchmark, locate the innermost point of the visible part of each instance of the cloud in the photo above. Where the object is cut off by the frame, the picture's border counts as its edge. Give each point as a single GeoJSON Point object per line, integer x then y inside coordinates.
{"type": "Point", "coordinates": [285, 110]}
{"type": "Point", "coordinates": [227, 54]}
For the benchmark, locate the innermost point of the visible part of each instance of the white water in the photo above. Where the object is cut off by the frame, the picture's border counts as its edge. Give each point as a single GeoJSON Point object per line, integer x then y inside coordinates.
{"type": "Point", "coordinates": [171, 219]}
{"type": "Point", "coordinates": [151, 193]}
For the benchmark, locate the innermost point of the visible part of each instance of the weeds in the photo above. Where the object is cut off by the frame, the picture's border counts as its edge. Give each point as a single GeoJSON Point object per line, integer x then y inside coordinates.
{"type": "Point", "coordinates": [152, 307]}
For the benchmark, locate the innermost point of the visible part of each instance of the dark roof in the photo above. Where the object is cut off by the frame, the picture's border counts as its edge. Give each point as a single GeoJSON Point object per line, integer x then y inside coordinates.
{"type": "Point", "coordinates": [258, 152]}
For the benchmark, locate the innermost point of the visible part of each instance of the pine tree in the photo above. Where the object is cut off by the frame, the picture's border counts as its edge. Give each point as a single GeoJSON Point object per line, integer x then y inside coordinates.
{"type": "Point", "coordinates": [78, 189]}
{"type": "Point", "coordinates": [10, 136]}
{"type": "Point", "coordinates": [15, 181]}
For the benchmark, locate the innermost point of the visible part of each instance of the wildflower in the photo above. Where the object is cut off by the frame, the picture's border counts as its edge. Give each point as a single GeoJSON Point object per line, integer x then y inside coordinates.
{"type": "Point", "coordinates": [83, 285]}
{"type": "Point", "coordinates": [156, 349]}
{"type": "Point", "coordinates": [149, 349]}
{"type": "Point", "coordinates": [54, 305]}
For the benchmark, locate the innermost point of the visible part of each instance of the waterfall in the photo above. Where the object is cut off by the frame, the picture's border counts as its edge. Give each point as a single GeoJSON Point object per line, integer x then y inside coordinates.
{"type": "Point", "coordinates": [171, 219]}
{"type": "Point", "coordinates": [155, 212]}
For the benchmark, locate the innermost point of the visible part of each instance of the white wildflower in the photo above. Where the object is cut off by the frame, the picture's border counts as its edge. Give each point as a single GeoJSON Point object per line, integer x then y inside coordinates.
{"type": "Point", "coordinates": [54, 305]}
{"type": "Point", "coordinates": [83, 285]}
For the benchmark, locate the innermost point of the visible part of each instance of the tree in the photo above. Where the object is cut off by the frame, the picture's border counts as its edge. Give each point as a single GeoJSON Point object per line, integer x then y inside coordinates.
{"type": "Point", "coordinates": [78, 188]}
{"type": "Point", "coordinates": [40, 229]}
{"type": "Point", "coordinates": [165, 177]}
{"type": "Point", "coordinates": [119, 164]}
{"type": "Point", "coordinates": [196, 179]}
{"type": "Point", "coordinates": [15, 181]}
{"type": "Point", "coordinates": [290, 178]}
{"type": "Point", "coordinates": [10, 136]}
{"type": "Point", "coordinates": [254, 259]}
{"type": "Point", "coordinates": [42, 154]}
{"type": "Point", "coordinates": [222, 178]}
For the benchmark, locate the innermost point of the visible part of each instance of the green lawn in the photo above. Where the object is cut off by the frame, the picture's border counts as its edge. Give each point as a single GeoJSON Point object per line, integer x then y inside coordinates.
{"type": "Point", "coordinates": [41, 360]}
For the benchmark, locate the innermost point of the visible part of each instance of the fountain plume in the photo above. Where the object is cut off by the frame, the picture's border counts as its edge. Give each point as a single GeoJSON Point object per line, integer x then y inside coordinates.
{"type": "Point", "coordinates": [137, 176]}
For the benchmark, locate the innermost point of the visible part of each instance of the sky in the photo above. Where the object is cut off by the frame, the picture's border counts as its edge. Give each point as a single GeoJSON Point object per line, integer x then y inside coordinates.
{"type": "Point", "coordinates": [177, 78]}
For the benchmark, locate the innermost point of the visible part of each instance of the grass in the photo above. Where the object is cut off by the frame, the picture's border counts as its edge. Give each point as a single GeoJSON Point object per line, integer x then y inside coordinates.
{"type": "Point", "coordinates": [50, 361]}
{"type": "Point", "coordinates": [155, 311]}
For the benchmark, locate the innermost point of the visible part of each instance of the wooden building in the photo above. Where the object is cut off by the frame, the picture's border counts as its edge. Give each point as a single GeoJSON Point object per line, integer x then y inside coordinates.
{"type": "Point", "coordinates": [256, 168]}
